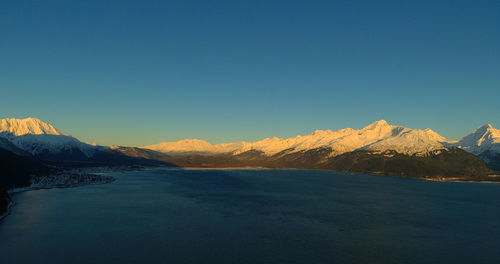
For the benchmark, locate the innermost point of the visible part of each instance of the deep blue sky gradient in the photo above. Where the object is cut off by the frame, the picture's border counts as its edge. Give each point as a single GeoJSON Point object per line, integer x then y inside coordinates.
{"type": "Point", "coordinates": [141, 72]}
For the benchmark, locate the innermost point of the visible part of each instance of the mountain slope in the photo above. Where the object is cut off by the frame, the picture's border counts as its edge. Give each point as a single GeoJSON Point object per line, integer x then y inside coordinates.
{"type": "Point", "coordinates": [485, 138]}
{"type": "Point", "coordinates": [7, 145]}
{"type": "Point", "coordinates": [130, 156]}
{"type": "Point", "coordinates": [451, 163]}
{"type": "Point", "coordinates": [34, 126]}
{"type": "Point", "coordinates": [485, 143]}
{"type": "Point", "coordinates": [444, 164]}
{"type": "Point", "coordinates": [16, 171]}
{"type": "Point", "coordinates": [42, 140]}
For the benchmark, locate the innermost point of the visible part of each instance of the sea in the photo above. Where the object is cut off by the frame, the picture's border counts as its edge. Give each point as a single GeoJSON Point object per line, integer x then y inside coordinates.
{"type": "Point", "coordinates": [233, 216]}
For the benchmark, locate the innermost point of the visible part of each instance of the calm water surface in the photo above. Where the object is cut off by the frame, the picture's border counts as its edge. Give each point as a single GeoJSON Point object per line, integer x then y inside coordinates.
{"type": "Point", "coordinates": [255, 216]}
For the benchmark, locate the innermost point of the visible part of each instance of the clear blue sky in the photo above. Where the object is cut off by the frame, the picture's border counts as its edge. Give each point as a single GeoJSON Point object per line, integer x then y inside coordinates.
{"type": "Point", "coordinates": [141, 72]}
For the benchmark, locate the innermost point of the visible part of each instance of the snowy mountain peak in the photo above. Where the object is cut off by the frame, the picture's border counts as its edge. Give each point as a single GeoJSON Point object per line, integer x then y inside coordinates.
{"type": "Point", "coordinates": [484, 128]}
{"type": "Point", "coordinates": [486, 131]}
{"type": "Point", "coordinates": [185, 145]}
{"type": "Point", "coordinates": [377, 124]}
{"type": "Point", "coordinates": [33, 126]}
{"type": "Point", "coordinates": [433, 135]}
{"type": "Point", "coordinates": [482, 139]}
{"type": "Point", "coordinates": [39, 138]}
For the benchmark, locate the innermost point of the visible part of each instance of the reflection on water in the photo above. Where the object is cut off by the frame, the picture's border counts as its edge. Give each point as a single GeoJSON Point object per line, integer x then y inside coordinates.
{"type": "Point", "coordinates": [255, 216]}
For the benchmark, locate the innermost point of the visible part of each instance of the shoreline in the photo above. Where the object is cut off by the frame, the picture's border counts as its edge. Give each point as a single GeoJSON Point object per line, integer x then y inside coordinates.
{"type": "Point", "coordinates": [231, 168]}
{"type": "Point", "coordinates": [462, 181]}
{"type": "Point", "coordinates": [96, 172]}
{"type": "Point", "coordinates": [37, 188]}
{"type": "Point", "coordinates": [7, 212]}
{"type": "Point", "coordinates": [458, 180]}
{"type": "Point", "coordinates": [93, 173]}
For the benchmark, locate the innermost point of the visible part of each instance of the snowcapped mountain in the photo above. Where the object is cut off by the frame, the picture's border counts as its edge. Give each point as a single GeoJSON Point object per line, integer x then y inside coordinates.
{"type": "Point", "coordinates": [485, 143]}
{"type": "Point", "coordinates": [34, 126]}
{"type": "Point", "coordinates": [378, 136]}
{"type": "Point", "coordinates": [485, 138]}
{"type": "Point", "coordinates": [411, 142]}
{"type": "Point", "coordinates": [185, 145]}
{"type": "Point", "coordinates": [41, 139]}
{"type": "Point", "coordinates": [32, 137]}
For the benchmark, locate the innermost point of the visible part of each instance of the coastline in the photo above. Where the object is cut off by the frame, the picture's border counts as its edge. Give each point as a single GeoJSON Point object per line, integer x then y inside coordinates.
{"type": "Point", "coordinates": [493, 178]}
{"type": "Point", "coordinates": [71, 178]}
{"type": "Point", "coordinates": [436, 179]}
{"type": "Point", "coordinates": [463, 181]}
{"type": "Point", "coordinates": [232, 168]}
{"type": "Point", "coordinates": [7, 212]}
{"type": "Point", "coordinates": [75, 178]}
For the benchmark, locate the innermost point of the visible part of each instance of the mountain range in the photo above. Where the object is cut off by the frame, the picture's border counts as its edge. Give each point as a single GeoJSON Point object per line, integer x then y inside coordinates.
{"type": "Point", "coordinates": [33, 138]}
{"type": "Point", "coordinates": [379, 148]}
{"type": "Point", "coordinates": [377, 137]}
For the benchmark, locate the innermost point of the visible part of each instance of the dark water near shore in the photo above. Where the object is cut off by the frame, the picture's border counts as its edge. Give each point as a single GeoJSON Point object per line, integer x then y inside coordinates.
{"type": "Point", "coordinates": [255, 216]}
